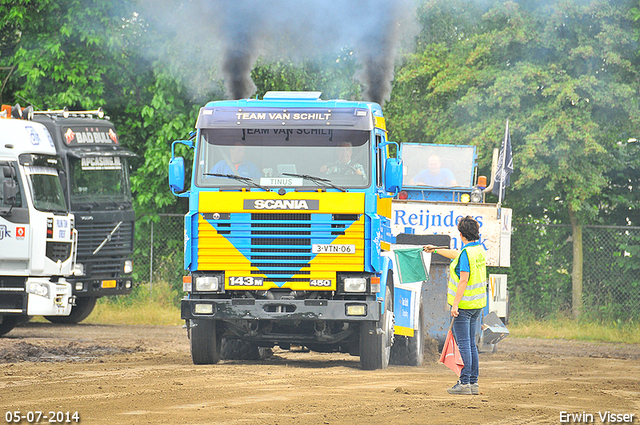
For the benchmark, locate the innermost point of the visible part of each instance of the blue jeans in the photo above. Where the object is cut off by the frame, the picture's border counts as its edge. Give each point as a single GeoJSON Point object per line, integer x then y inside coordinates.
{"type": "Point", "coordinates": [464, 329]}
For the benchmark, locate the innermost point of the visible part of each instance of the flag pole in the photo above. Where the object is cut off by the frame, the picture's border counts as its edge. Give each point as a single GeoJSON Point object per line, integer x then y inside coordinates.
{"type": "Point", "coordinates": [504, 159]}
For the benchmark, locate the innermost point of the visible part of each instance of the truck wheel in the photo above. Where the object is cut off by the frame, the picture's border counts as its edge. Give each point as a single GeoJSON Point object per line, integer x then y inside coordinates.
{"type": "Point", "coordinates": [83, 308]}
{"type": "Point", "coordinates": [238, 349]}
{"type": "Point", "coordinates": [375, 347]}
{"type": "Point", "coordinates": [8, 323]}
{"type": "Point", "coordinates": [205, 342]}
{"type": "Point", "coordinates": [411, 354]}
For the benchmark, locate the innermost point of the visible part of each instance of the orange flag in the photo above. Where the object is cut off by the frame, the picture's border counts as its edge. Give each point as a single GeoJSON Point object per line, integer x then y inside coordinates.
{"type": "Point", "coordinates": [451, 357]}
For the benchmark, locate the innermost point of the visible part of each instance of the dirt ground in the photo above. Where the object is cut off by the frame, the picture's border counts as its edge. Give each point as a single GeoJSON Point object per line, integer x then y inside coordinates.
{"type": "Point", "coordinates": [144, 375]}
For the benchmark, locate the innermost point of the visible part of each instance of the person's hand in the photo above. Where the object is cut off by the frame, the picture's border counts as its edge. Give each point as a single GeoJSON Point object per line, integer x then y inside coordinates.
{"type": "Point", "coordinates": [324, 169]}
{"type": "Point", "coordinates": [429, 248]}
{"type": "Point", "coordinates": [454, 311]}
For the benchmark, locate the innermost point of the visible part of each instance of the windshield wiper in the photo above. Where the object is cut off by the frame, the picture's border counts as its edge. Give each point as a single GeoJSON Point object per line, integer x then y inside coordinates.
{"type": "Point", "coordinates": [88, 205]}
{"type": "Point", "coordinates": [239, 178]}
{"type": "Point", "coordinates": [317, 180]}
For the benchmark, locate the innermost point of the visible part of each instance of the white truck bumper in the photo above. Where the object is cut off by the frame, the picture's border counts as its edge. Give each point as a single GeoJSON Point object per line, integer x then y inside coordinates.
{"type": "Point", "coordinates": [47, 298]}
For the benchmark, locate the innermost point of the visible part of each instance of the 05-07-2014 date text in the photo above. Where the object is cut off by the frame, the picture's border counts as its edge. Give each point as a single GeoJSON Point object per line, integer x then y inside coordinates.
{"type": "Point", "coordinates": [36, 416]}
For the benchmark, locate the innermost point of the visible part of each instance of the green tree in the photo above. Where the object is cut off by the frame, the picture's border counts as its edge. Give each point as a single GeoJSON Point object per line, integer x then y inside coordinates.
{"type": "Point", "coordinates": [333, 75]}
{"type": "Point", "coordinates": [563, 72]}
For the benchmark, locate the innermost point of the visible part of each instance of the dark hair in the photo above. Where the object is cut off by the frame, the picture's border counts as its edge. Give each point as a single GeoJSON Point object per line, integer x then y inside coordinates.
{"type": "Point", "coordinates": [469, 228]}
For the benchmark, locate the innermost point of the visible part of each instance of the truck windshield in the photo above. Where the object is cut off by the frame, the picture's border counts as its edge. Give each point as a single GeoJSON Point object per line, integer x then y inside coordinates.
{"type": "Point", "coordinates": [438, 165]}
{"type": "Point", "coordinates": [99, 179]}
{"type": "Point", "coordinates": [280, 157]}
{"type": "Point", "coordinates": [46, 189]}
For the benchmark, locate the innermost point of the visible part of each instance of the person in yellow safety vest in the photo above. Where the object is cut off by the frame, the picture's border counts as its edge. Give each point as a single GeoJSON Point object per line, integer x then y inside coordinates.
{"type": "Point", "coordinates": [466, 294]}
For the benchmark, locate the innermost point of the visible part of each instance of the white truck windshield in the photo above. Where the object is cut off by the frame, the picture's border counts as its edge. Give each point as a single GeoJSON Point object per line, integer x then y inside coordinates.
{"type": "Point", "coordinates": [46, 189]}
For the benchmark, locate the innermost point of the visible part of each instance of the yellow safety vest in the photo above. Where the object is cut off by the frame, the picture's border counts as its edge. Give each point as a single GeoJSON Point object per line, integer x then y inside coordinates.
{"type": "Point", "coordinates": [475, 295]}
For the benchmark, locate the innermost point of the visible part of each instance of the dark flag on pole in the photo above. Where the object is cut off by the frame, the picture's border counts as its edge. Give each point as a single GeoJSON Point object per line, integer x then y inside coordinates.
{"type": "Point", "coordinates": [505, 166]}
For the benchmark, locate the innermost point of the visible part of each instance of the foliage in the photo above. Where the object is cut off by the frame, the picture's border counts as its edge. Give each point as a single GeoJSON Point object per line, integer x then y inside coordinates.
{"type": "Point", "coordinates": [563, 74]}
{"type": "Point", "coordinates": [620, 199]}
{"type": "Point", "coordinates": [539, 276]}
{"type": "Point", "coordinates": [540, 280]}
{"type": "Point", "coordinates": [331, 75]}
{"type": "Point", "coordinates": [158, 251]}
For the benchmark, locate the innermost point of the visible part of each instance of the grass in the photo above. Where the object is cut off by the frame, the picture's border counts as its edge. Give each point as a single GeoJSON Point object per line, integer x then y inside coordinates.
{"type": "Point", "coordinates": [157, 305]}
{"type": "Point", "coordinates": [581, 330]}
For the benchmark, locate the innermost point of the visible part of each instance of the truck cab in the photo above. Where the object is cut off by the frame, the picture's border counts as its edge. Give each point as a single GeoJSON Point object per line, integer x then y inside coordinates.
{"type": "Point", "coordinates": [37, 232]}
{"type": "Point", "coordinates": [289, 213]}
{"type": "Point", "coordinates": [441, 185]}
{"type": "Point", "coordinates": [97, 189]}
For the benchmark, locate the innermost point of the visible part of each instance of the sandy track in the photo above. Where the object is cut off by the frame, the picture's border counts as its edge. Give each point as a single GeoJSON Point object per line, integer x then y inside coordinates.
{"type": "Point", "coordinates": [143, 374]}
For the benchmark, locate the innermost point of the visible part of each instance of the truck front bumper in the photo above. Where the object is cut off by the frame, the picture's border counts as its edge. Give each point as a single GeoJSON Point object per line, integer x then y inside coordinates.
{"type": "Point", "coordinates": [51, 298]}
{"type": "Point", "coordinates": [304, 310]}
{"type": "Point", "coordinates": [92, 287]}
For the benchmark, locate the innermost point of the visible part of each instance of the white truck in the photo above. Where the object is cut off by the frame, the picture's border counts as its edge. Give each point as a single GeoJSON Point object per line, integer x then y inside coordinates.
{"type": "Point", "coordinates": [37, 235]}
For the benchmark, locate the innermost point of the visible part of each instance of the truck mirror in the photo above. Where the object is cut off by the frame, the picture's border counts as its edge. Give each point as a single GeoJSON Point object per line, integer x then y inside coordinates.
{"type": "Point", "coordinates": [393, 175]}
{"type": "Point", "coordinates": [62, 176]}
{"type": "Point", "coordinates": [9, 190]}
{"type": "Point", "coordinates": [176, 174]}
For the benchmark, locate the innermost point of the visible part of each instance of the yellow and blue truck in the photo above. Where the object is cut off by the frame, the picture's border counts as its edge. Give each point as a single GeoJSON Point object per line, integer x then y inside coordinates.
{"type": "Point", "coordinates": [289, 239]}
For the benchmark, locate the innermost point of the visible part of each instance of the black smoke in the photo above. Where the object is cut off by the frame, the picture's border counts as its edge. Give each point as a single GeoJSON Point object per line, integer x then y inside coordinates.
{"type": "Point", "coordinates": [232, 34]}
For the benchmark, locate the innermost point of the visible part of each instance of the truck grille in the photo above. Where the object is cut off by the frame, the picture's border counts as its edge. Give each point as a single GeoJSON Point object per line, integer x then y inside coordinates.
{"type": "Point", "coordinates": [279, 245]}
{"type": "Point", "coordinates": [104, 267]}
{"type": "Point", "coordinates": [58, 251]}
{"type": "Point", "coordinates": [91, 235]}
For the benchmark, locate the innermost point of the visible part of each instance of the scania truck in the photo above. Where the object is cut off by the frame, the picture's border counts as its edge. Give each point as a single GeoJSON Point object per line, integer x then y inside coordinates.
{"type": "Point", "coordinates": [98, 193]}
{"type": "Point", "coordinates": [37, 234]}
{"type": "Point", "coordinates": [290, 240]}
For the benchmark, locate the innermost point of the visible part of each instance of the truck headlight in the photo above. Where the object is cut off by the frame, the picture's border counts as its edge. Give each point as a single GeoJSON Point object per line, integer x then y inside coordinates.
{"type": "Point", "coordinates": [203, 309]}
{"type": "Point", "coordinates": [128, 266]}
{"type": "Point", "coordinates": [78, 269]}
{"type": "Point", "coordinates": [41, 289]}
{"type": "Point", "coordinates": [476, 195]}
{"type": "Point", "coordinates": [356, 310]}
{"type": "Point", "coordinates": [355, 284]}
{"type": "Point", "coordinates": [207, 283]}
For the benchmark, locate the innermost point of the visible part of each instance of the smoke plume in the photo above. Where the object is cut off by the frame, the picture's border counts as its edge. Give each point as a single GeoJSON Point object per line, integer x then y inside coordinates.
{"type": "Point", "coordinates": [230, 35]}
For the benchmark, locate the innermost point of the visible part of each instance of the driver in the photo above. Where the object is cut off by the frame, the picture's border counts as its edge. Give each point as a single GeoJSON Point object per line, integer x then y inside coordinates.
{"type": "Point", "coordinates": [237, 164]}
{"type": "Point", "coordinates": [343, 165]}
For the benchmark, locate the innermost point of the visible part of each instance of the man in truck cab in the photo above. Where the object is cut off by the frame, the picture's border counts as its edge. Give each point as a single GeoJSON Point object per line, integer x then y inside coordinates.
{"type": "Point", "coordinates": [237, 164]}
{"type": "Point", "coordinates": [344, 164]}
{"type": "Point", "coordinates": [435, 175]}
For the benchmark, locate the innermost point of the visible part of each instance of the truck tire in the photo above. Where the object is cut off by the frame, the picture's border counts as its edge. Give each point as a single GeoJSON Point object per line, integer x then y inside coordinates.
{"type": "Point", "coordinates": [238, 349]}
{"type": "Point", "coordinates": [411, 354]}
{"type": "Point", "coordinates": [83, 308]}
{"type": "Point", "coordinates": [205, 342]}
{"type": "Point", "coordinates": [375, 348]}
{"type": "Point", "coordinates": [8, 323]}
